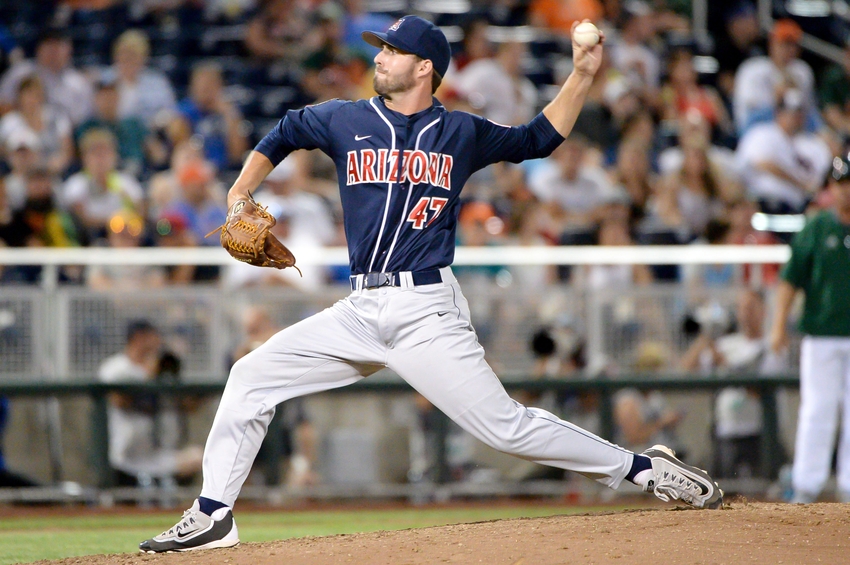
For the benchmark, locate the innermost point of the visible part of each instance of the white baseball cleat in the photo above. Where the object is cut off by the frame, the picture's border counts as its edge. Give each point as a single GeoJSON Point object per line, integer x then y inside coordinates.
{"type": "Point", "coordinates": [674, 480]}
{"type": "Point", "coordinates": [196, 530]}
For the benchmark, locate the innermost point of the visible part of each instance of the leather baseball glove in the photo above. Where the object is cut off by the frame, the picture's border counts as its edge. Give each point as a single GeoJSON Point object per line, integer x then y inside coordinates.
{"type": "Point", "coordinates": [247, 237]}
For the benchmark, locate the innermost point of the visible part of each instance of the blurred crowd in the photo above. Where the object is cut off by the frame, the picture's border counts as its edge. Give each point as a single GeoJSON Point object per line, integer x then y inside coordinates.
{"type": "Point", "coordinates": [124, 122]}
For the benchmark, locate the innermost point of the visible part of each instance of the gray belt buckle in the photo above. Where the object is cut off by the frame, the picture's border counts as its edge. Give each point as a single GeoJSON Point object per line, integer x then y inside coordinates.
{"type": "Point", "coordinates": [376, 280]}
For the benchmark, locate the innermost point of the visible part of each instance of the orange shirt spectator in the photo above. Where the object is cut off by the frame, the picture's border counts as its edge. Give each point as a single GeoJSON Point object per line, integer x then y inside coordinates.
{"type": "Point", "coordinates": [559, 15]}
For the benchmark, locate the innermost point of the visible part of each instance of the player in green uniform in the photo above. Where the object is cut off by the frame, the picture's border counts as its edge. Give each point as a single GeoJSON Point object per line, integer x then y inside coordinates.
{"type": "Point", "coordinates": [820, 267]}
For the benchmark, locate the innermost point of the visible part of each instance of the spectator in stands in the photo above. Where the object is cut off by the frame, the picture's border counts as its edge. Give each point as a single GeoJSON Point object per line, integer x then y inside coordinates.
{"type": "Point", "coordinates": [783, 167]}
{"type": "Point", "coordinates": [281, 30]}
{"type": "Point", "coordinates": [64, 87]}
{"type": "Point", "coordinates": [559, 345]}
{"type": "Point", "coordinates": [295, 434]}
{"type": "Point", "coordinates": [201, 200]}
{"type": "Point", "coordinates": [693, 126]}
{"type": "Point", "coordinates": [737, 410]}
{"type": "Point", "coordinates": [632, 171]}
{"type": "Point", "coordinates": [332, 70]}
{"type": "Point", "coordinates": [614, 230]}
{"type": "Point", "coordinates": [639, 128]}
{"type": "Point", "coordinates": [478, 226]}
{"type": "Point", "coordinates": [621, 101]}
{"type": "Point", "coordinates": [559, 15]}
{"type": "Point", "coordinates": [143, 439]}
{"type": "Point", "coordinates": [497, 87]}
{"type": "Point", "coordinates": [696, 278]}
{"type": "Point", "coordinates": [22, 156]}
{"type": "Point", "coordinates": [741, 40]}
{"type": "Point", "coordinates": [311, 278]}
{"type": "Point", "coordinates": [695, 194]}
{"type": "Point", "coordinates": [742, 232]}
{"type": "Point", "coordinates": [570, 188]}
{"type": "Point", "coordinates": [643, 417]}
{"type": "Point", "coordinates": [209, 115]}
{"type": "Point", "coordinates": [40, 222]}
{"type": "Point", "coordinates": [358, 19]}
{"type": "Point", "coordinates": [129, 132]}
{"type": "Point", "coordinates": [312, 219]}
{"type": "Point", "coordinates": [99, 191]}
{"type": "Point", "coordinates": [835, 96]}
{"type": "Point", "coordinates": [682, 94]}
{"type": "Point", "coordinates": [759, 79]}
{"type": "Point", "coordinates": [172, 230]}
{"type": "Point", "coordinates": [475, 45]}
{"type": "Point", "coordinates": [632, 55]}
{"type": "Point", "coordinates": [33, 114]}
{"type": "Point", "coordinates": [10, 51]}
{"type": "Point", "coordinates": [125, 231]}
{"type": "Point", "coordinates": [164, 187]}
{"type": "Point", "coordinates": [143, 93]}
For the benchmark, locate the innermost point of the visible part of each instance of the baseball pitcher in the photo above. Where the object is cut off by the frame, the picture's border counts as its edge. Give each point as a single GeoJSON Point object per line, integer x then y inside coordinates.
{"type": "Point", "coordinates": [402, 160]}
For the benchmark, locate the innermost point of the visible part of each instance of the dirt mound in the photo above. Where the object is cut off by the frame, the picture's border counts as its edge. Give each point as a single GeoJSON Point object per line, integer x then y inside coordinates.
{"type": "Point", "coordinates": [740, 533]}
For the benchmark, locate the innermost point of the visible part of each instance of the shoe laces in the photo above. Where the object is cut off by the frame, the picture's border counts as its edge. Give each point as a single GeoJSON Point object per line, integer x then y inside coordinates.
{"type": "Point", "coordinates": [185, 522]}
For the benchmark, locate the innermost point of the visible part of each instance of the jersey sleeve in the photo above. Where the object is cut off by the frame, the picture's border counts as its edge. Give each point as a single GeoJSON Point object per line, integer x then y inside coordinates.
{"type": "Point", "coordinates": [798, 268]}
{"type": "Point", "coordinates": [495, 142]}
{"type": "Point", "coordinates": [307, 128]}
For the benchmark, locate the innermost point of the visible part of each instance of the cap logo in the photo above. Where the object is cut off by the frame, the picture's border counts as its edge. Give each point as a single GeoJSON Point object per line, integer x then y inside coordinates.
{"type": "Point", "coordinates": [396, 25]}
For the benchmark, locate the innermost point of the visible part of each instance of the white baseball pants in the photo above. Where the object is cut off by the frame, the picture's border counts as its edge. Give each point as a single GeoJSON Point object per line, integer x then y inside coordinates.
{"type": "Point", "coordinates": [824, 393]}
{"type": "Point", "coordinates": [422, 333]}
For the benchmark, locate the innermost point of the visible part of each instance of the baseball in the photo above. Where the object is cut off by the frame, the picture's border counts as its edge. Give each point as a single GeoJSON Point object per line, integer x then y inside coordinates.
{"type": "Point", "coordinates": [586, 34]}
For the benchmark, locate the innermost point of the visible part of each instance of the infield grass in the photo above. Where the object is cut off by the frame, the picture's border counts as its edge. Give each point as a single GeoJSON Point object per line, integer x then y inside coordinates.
{"type": "Point", "coordinates": [27, 539]}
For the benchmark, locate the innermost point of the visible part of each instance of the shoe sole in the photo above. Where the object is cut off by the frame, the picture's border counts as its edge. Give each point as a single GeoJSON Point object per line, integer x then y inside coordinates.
{"type": "Point", "coordinates": [668, 455]}
{"type": "Point", "coordinates": [218, 544]}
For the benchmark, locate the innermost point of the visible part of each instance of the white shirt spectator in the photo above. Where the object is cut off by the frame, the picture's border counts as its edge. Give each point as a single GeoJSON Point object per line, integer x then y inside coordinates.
{"type": "Point", "coordinates": [309, 217]}
{"type": "Point", "coordinates": [57, 127]}
{"type": "Point", "coordinates": [639, 64]}
{"type": "Point", "coordinates": [99, 203]}
{"type": "Point", "coordinates": [499, 96]}
{"type": "Point", "coordinates": [131, 433]}
{"type": "Point", "coordinates": [803, 156]}
{"type": "Point", "coordinates": [738, 413]}
{"type": "Point", "coordinates": [671, 159]}
{"type": "Point", "coordinates": [150, 95]}
{"type": "Point", "coordinates": [587, 191]}
{"type": "Point", "coordinates": [69, 90]}
{"type": "Point", "coordinates": [757, 80]}
{"type": "Point", "coordinates": [312, 277]}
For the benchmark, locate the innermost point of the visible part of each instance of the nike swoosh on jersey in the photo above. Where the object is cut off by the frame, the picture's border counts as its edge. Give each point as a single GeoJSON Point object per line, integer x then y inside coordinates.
{"type": "Point", "coordinates": [361, 137]}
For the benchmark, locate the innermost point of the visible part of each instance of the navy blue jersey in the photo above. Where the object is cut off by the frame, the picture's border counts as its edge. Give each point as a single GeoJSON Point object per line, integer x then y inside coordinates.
{"type": "Point", "coordinates": [400, 176]}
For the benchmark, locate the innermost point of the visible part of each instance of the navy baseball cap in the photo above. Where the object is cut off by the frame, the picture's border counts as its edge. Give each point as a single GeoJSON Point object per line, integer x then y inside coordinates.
{"type": "Point", "coordinates": [418, 36]}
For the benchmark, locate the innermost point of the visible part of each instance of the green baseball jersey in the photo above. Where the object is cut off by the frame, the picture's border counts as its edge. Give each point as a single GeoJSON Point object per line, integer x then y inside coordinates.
{"type": "Point", "coordinates": [820, 266]}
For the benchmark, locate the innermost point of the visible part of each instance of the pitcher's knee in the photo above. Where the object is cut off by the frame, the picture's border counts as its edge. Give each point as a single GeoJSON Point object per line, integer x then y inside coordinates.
{"type": "Point", "coordinates": [243, 368]}
{"type": "Point", "coordinates": [242, 386]}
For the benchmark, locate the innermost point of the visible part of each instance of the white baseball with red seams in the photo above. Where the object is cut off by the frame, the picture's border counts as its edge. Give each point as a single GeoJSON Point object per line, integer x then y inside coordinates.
{"type": "Point", "coordinates": [586, 34]}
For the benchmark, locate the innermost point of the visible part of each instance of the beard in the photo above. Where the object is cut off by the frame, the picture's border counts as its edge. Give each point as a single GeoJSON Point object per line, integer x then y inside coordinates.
{"type": "Point", "coordinates": [387, 86]}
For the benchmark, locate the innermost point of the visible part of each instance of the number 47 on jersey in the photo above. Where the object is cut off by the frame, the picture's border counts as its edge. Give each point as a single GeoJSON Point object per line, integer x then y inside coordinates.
{"type": "Point", "coordinates": [420, 213]}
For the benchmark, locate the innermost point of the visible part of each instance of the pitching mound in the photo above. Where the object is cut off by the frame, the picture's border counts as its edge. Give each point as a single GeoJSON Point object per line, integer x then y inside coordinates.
{"type": "Point", "coordinates": [740, 533]}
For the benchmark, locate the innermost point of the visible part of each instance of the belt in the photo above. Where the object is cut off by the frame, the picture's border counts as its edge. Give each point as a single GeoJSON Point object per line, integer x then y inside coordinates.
{"type": "Point", "coordinates": [404, 279]}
